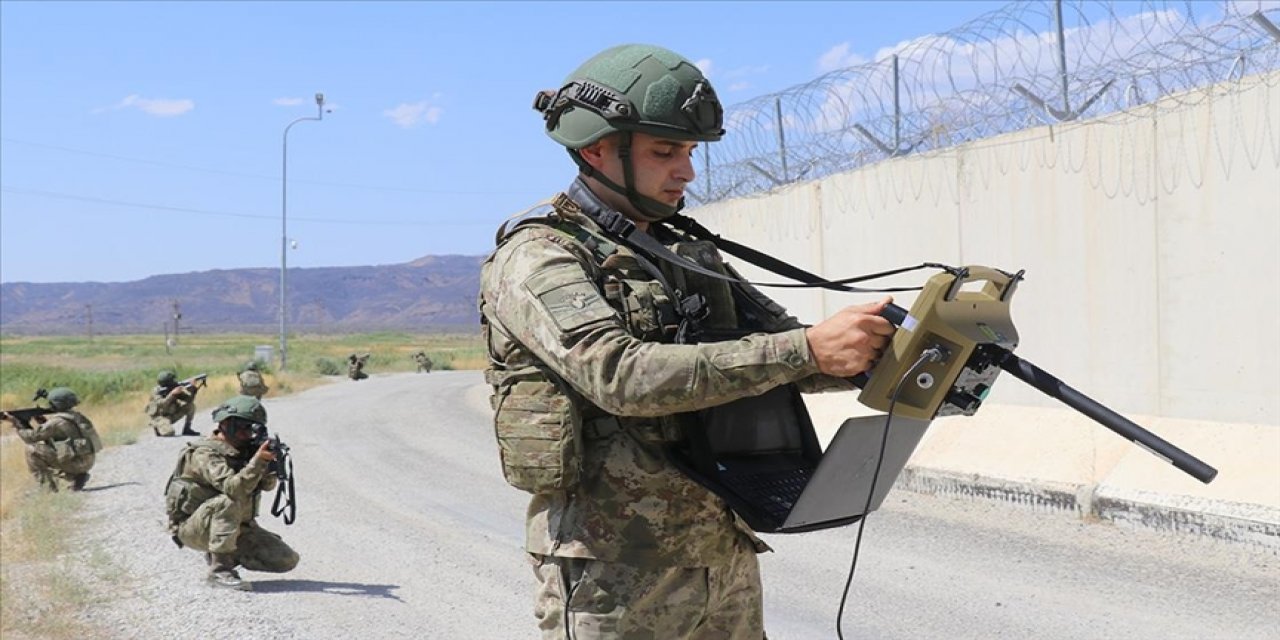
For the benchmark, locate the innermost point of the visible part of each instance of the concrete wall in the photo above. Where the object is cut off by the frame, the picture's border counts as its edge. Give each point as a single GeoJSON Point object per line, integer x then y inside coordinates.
{"type": "Point", "coordinates": [1149, 238]}
{"type": "Point", "coordinates": [1151, 241]}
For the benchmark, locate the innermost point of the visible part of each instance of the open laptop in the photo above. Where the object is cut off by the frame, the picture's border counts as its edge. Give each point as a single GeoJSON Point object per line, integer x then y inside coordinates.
{"type": "Point", "coordinates": [772, 471]}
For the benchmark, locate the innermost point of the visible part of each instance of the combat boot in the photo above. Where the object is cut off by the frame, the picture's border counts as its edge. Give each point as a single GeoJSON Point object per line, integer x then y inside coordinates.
{"type": "Point", "coordinates": [222, 572]}
{"type": "Point", "coordinates": [47, 482]}
{"type": "Point", "coordinates": [78, 483]}
{"type": "Point", "coordinates": [187, 430]}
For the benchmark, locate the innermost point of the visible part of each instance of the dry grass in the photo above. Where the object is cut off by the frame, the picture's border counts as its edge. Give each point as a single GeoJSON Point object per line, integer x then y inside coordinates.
{"type": "Point", "coordinates": [40, 595]}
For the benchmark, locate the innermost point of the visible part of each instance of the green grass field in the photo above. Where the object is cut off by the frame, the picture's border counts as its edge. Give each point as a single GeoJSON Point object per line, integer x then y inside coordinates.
{"type": "Point", "coordinates": [110, 367]}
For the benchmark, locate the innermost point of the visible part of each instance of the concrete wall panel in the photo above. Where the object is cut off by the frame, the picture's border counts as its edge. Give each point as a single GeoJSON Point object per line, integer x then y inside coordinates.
{"type": "Point", "coordinates": [1149, 240]}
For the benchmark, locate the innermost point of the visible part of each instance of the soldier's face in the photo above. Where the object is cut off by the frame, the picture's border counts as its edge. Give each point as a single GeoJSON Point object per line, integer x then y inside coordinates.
{"type": "Point", "coordinates": [662, 167]}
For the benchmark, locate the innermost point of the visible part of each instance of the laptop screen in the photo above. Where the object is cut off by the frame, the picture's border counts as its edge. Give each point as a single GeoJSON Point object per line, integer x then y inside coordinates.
{"type": "Point", "coordinates": [764, 424]}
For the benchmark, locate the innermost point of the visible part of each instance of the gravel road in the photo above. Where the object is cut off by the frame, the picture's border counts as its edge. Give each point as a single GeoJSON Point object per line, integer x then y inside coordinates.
{"type": "Point", "coordinates": [407, 530]}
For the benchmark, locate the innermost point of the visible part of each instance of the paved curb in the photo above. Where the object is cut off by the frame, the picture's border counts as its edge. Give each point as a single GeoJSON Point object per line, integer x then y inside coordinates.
{"type": "Point", "coordinates": [1249, 525]}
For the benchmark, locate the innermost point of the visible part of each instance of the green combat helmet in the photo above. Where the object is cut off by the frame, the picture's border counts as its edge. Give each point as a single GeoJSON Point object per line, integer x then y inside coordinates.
{"type": "Point", "coordinates": [251, 365]}
{"type": "Point", "coordinates": [62, 398]}
{"type": "Point", "coordinates": [629, 88]}
{"type": "Point", "coordinates": [167, 379]}
{"type": "Point", "coordinates": [243, 407]}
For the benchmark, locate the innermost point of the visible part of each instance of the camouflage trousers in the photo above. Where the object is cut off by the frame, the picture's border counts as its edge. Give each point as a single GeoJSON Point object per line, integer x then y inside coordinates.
{"type": "Point", "coordinates": [162, 424]}
{"type": "Point", "coordinates": [216, 527]}
{"type": "Point", "coordinates": [42, 461]}
{"type": "Point", "coordinates": [611, 601]}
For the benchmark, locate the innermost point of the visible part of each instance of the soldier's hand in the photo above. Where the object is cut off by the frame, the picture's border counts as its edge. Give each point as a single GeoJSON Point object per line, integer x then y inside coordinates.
{"type": "Point", "coordinates": [851, 341]}
{"type": "Point", "coordinates": [265, 453]}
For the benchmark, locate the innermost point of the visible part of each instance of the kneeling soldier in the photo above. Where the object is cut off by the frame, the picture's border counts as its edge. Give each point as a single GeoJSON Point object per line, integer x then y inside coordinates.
{"type": "Point", "coordinates": [62, 444]}
{"type": "Point", "coordinates": [212, 496]}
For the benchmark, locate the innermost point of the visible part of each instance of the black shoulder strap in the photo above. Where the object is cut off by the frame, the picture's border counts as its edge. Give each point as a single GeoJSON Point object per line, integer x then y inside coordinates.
{"type": "Point", "coordinates": [788, 270]}
{"type": "Point", "coordinates": [618, 225]}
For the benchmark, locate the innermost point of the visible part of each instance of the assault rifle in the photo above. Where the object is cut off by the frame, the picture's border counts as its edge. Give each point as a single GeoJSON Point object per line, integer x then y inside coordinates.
{"type": "Point", "coordinates": [21, 418]}
{"type": "Point", "coordinates": [285, 502]}
{"type": "Point", "coordinates": [195, 383]}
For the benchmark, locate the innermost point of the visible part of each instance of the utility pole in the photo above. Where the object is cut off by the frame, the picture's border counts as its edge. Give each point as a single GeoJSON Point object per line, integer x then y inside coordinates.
{"type": "Point", "coordinates": [284, 228]}
{"type": "Point", "coordinates": [88, 312]}
{"type": "Point", "coordinates": [177, 317]}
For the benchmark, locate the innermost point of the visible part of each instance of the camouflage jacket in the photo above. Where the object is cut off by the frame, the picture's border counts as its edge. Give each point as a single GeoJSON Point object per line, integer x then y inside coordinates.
{"type": "Point", "coordinates": [215, 467]}
{"type": "Point", "coordinates": [252, 384]}
{"type": "Point", "coordinates": [550, 302]}
{"type": "Point", "coordinates": [70, 434]}
{"type": "Point", "coordinates": [162, 405]}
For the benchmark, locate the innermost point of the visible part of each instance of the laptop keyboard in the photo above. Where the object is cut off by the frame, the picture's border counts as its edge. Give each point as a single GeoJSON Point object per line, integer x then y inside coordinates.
{"type": "Point", "coordinates": [775, 491]}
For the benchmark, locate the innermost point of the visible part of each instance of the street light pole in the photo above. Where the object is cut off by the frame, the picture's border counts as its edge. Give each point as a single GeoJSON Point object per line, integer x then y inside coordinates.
{"type": "Point", "coordinates": [284, 229]}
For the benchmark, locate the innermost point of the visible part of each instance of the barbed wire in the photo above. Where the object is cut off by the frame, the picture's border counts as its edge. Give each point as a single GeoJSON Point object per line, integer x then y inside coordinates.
{"type": "Point", "coordinates": [1029, 64]}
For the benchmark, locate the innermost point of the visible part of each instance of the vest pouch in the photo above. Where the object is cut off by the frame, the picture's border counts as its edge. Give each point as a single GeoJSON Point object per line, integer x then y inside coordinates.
{"type": "Point", "coordinates": [182, 497]}
{"type": "Point", "coordinates": [539, 441]}
{"type": "Point", "coordinates": [82, 446]}
{"type": "Point", "coordinates": [63, 451]}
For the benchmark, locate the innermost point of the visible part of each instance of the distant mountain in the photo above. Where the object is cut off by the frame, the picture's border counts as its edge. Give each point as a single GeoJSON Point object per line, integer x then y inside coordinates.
{"type": "Point", "coordinates": [432, 293]}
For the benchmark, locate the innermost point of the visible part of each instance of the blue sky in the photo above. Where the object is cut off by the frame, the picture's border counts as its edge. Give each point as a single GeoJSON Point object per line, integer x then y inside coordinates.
{"type": "Point", "coordinates": [142, 138]}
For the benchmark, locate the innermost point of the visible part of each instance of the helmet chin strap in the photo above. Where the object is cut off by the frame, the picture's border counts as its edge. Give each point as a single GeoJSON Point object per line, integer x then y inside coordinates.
{"type": "Point", "coordinates": [650, 210]}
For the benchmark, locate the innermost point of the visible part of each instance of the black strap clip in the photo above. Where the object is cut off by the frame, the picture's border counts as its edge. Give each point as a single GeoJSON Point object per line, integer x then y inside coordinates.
{"type": "Point", "coordinates": [615, 223]}
{"type": "Point", "coordinates": [693, 309]}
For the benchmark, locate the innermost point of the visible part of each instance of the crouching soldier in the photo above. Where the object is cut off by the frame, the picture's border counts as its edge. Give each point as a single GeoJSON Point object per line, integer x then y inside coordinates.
{"type": "Point", "coordinates": [251, 382]}
{"type": "Point", "coordinates": [170, 402]}
{"type": "Point", "coordinates": [424, 362]}
{"type": "Point", "coordinates": [355, 366]}
{"type": "Point", "coordinates": [61, 444]}
{"type": "Point", "coordinates": [212, 496]}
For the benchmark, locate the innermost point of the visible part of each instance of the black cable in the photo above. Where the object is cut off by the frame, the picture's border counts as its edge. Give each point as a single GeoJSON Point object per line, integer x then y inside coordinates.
{"type": "Point", "coordinates": [932, 354]}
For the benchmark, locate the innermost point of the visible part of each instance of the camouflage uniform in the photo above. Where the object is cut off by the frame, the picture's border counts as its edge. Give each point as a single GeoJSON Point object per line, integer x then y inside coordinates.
{"type": "Point", "coordinates": [424, 362]}
{"type": "Point", "coordinates": [164, 411]}
{"type": "Point", "coordinates": [355, 367]}
{"type": "Point", "coordinates": [63, 446]}
{"type": "Point", "coordinates": [644, 551]}
{"type": "Point", "coordinates": [222, 494]}
{"type": "Point", "coordinates": [252, 384]}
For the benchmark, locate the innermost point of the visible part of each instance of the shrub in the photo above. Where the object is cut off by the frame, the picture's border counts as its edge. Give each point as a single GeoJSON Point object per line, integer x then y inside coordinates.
{"type": "Point", "coordinates": [329, 367]}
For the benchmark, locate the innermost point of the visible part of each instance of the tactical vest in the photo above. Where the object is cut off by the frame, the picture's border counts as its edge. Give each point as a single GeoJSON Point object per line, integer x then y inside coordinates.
{"type": "Point", "coordinates": [183, 495]}
{"type": "Point", "coordinates": [83, 442]}
{"type": "Point", "coordinates": [540, 422]}
{"type": "Point", "coordinates": [92, 441]}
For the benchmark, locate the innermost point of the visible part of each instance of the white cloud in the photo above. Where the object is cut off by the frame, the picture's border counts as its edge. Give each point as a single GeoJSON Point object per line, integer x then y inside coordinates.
{"type": "Point", "coordinates": [704, 65]}
{"type": "Point", "coordinates": [408, 116]}
{"type": "Point", "coordinates": [839, 57]}
{"type": "Point", "coordinates": [740, 86]}
{"type": "Point", "coordinates": [161, 107]}
{"type": "Point", "coordinates": [288, 102]}
{"type": "Point", "coordinates": [1246, 7]}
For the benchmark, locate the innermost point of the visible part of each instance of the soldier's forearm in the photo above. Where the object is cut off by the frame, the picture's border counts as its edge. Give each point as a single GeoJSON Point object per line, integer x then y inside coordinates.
{"type": "Point", "coordinates": [628, 377]}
